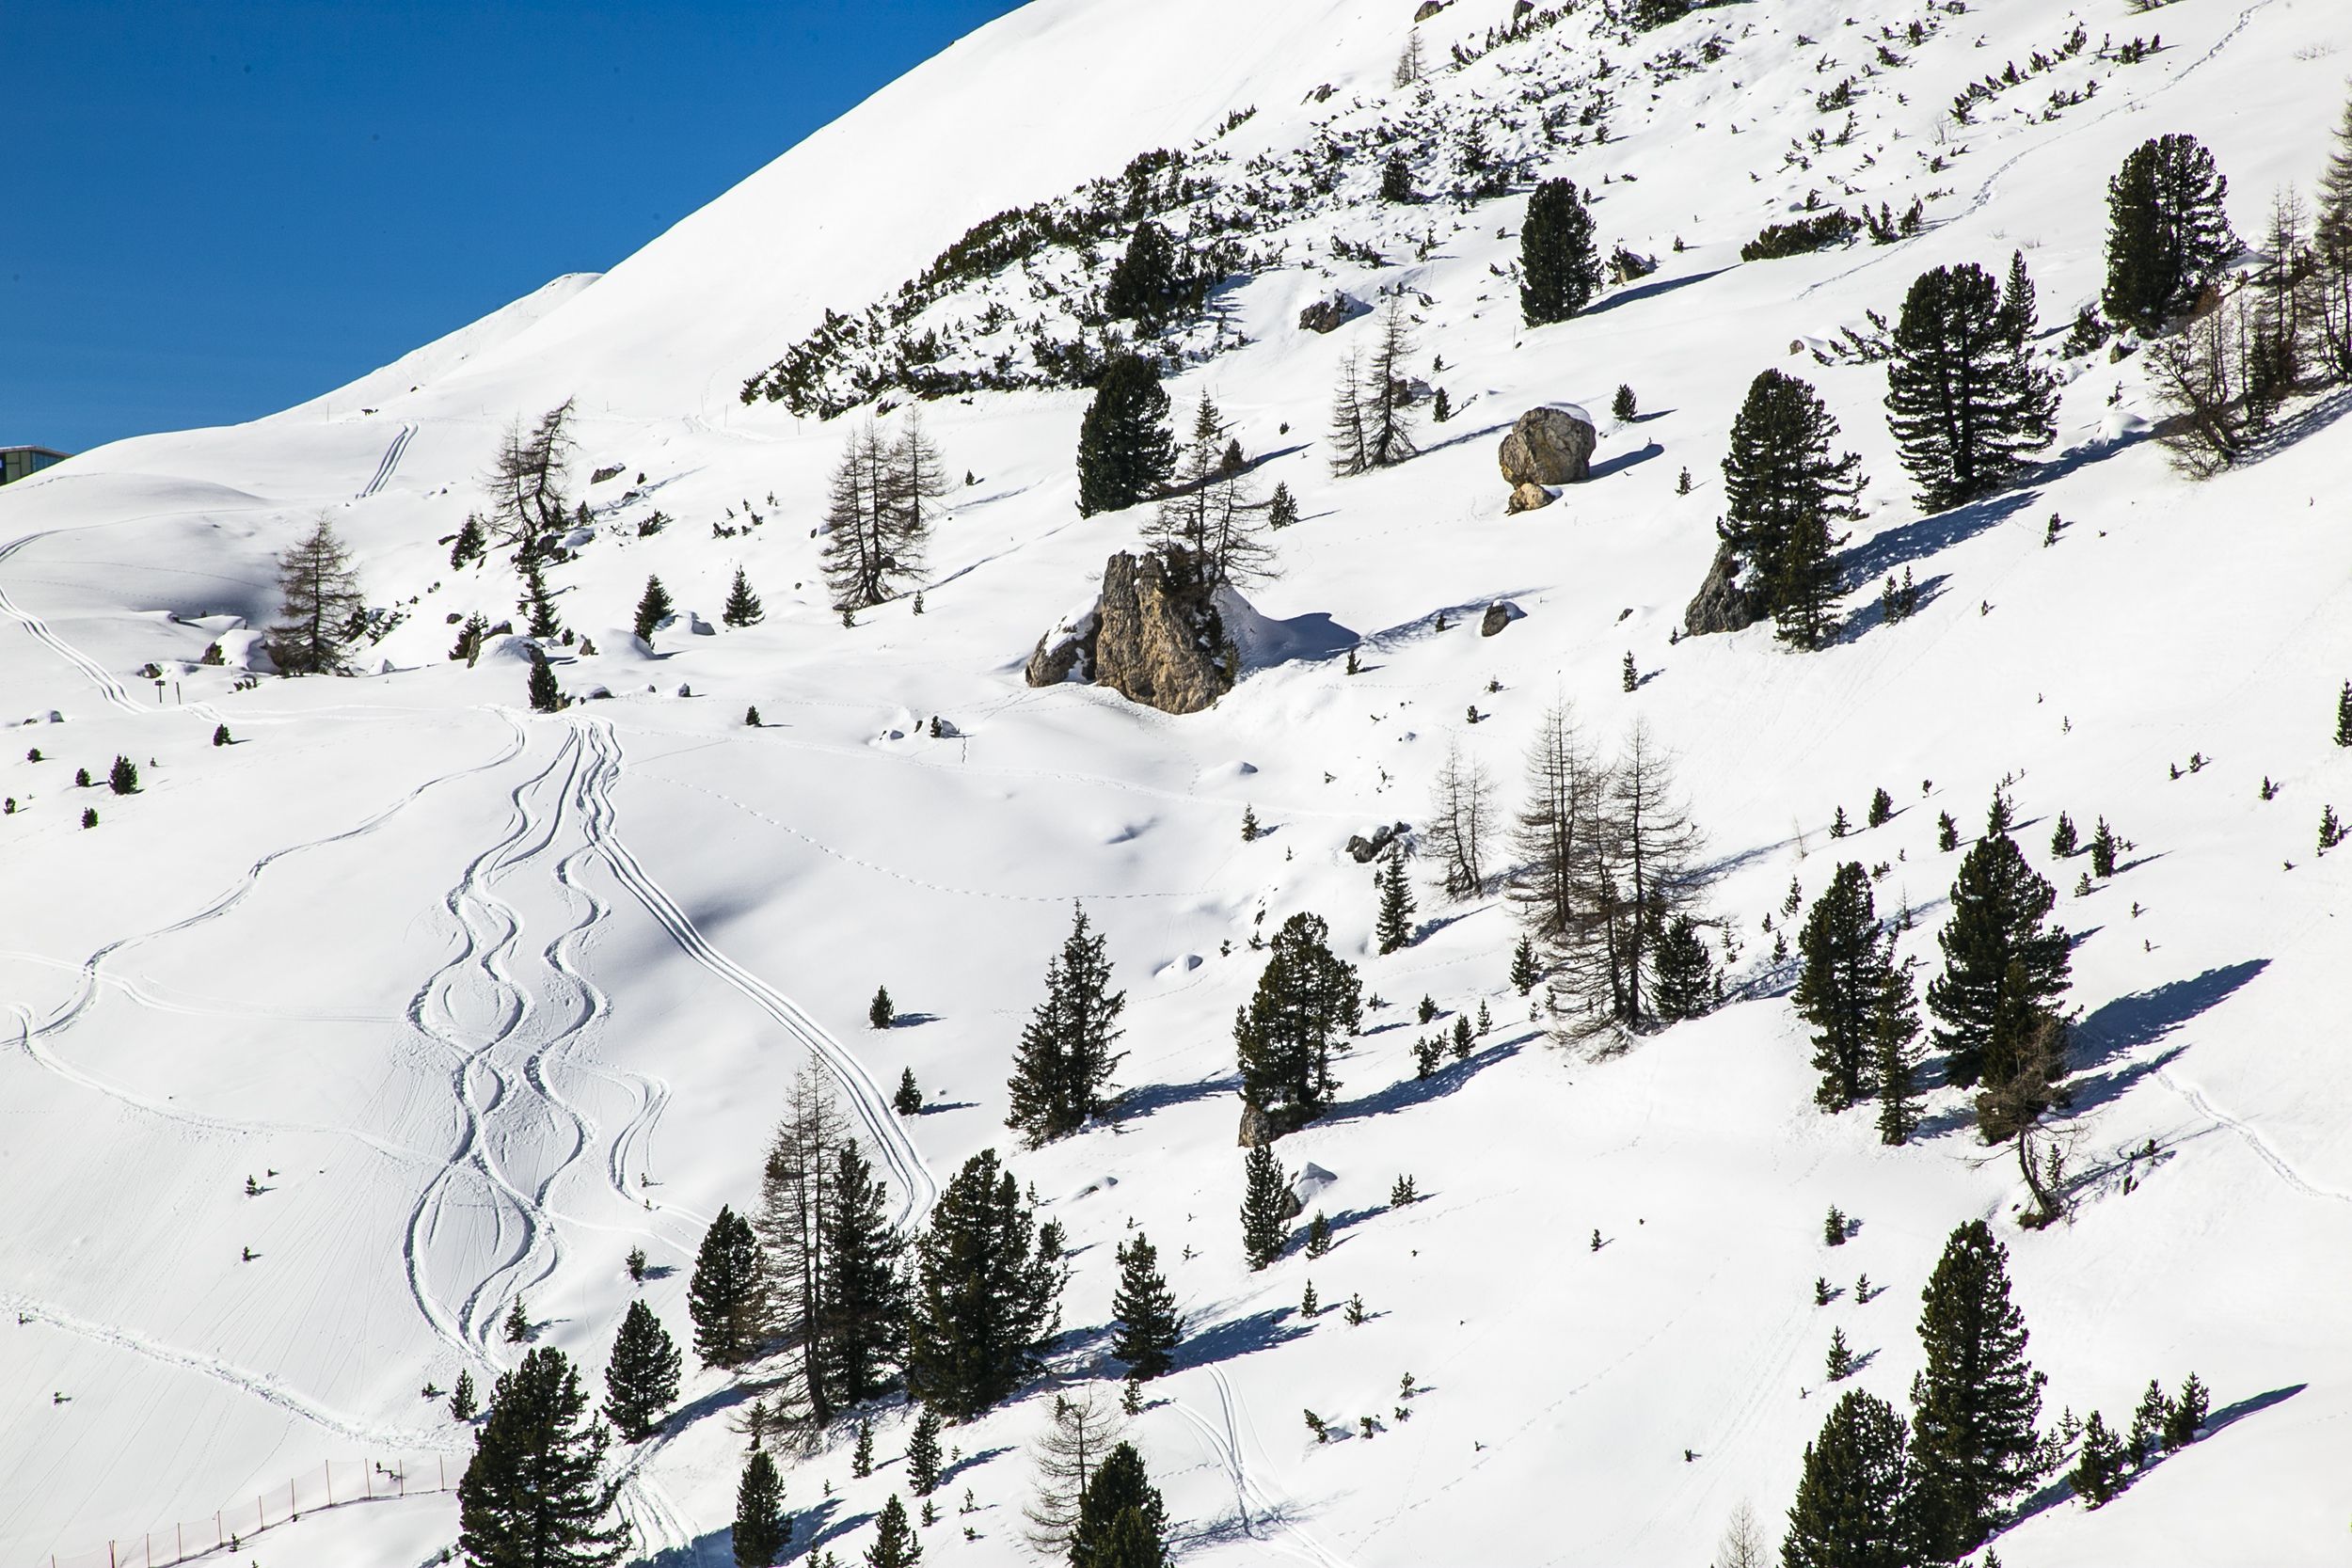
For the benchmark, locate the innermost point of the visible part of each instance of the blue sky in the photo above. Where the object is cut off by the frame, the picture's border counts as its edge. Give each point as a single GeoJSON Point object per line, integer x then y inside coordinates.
{"type": "Point", "coordinates": [217, 208]}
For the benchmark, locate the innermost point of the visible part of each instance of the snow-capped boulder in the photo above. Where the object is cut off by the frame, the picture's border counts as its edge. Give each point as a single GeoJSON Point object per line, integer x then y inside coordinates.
{"type": "Point", "coordinates": [1150, 640]}
{"type": "Point", "coordinates": [1551, 445]}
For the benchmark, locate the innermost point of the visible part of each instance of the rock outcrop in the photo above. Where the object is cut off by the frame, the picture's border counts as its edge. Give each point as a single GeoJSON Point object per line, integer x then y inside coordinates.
{"type": "Point", "coordinates": [1723, 602]}
{"type": "Point", "coordinates": [1149, 637]}
{"type": "Point", "coordinates": [1527, 497]}
{"type": "Point", "coordinates": [1500, 614]}
{"type": "Point", "coordinates": [1329, 315]}
{"type": "Point", "coordinates": [1363, 851]}
{"type": "Point", "coordinates": [1551, 445]}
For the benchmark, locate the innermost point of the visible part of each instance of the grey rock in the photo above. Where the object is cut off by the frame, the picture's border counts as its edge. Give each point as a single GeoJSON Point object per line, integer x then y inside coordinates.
{"type": "Point", "coordinates": [1428, 9]}
{"type": "Point", "coordinates": [1329, 315]}
{"type": "Point", "coordinates": [1500, 614]}
{"type": "Point", "coordinates": [1152, 641]}
{"type": "Point", "coordinates": [1723, 602]}
{"type": "Point", "coordinates": [1528, 497]}
{"type": "Point", "coordinates": [1551, 445]}
{"type": "Point", "coordinates": [1364, 850]}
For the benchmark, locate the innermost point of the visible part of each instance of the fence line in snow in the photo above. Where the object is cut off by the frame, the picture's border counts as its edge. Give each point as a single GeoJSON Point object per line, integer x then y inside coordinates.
{"type": "Point", "coordinates": [333, 1483]}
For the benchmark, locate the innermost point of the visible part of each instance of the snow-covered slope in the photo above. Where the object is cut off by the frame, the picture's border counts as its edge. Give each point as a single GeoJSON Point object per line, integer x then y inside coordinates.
{"type": "Point", "coordinates": [482, 999]}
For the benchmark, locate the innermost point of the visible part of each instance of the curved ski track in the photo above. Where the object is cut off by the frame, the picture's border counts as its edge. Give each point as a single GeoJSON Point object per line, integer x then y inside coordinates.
{"type": "Point", "coordinates": [1223, 1438]}
{"type": "Point", "coordinates": [390, 464]}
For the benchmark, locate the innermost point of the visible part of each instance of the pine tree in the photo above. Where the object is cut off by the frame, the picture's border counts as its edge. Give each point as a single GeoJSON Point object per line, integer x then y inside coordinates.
{"type": "Point", "coordinates": [1882, 809]}
{"type": "Point", "coordinates": [723, 1298]}
{"type": "Point", "coordinates": [2147, 1434]}
{"type": "Point", "coordinates": [1623, 405]}
{"type": "Point", "coordinates": [1839, 1365]}
{"type": "Point", "coordinates": [1124, 450]}
{"type": "Point", "coordinates": [862, 1451]}
{"type": "Point", "coordinates": [908, 1101]}
{"type": "Point", "coordinates": [1850, 1509]}
{"type": "Point", "coordinates": [1144, 286]}
{"type": "Point", "coordinates": [1281, 509]}
{"type": "Point", "coordinates": [470, 543]}
{"type": "Point", "coordinates": [2185, 1416]}
{"type": "Point", "coordinates": [1306, 1003]}
{"type": "Point", "coordinates": [2004, 966]}
{"type": "Point", "coordinates": [517, 1325]}
{"type": "Point", "coordinates": [2098, 1472]}
{"type": "Point", "coordinates": [462, 1404]}
{"type": "Point", "coordinates": [1682, 974]}
{"type": "Point", "coordinates": [1894, 1056]}
{"type": "Point", "coordinates": [1975, 1406]}
{"type": "Point", "coordinates": [1123, 1522]}
{"type": "Point", "coordinates": [895, 1545]}
{"type": "Point", "coordinates": [653, 608]}
{"type": "Point", "coordinates": [537, 604]}
{"type": "Point", "coordinates": [1839, 991]}
{"type": "Point", "coordinates": [1783, 496]}
{"type": "Point", "coordinates": [1963, 402]}
{"type": "Point", "coordinates": [881, 1012]}
{"type": "Point", "coordinates": [742, 606]}
{"type": "Point", "coordinates": [545, 694]}
{"type": "Point", "coordinates": [1630, 677]}
{"type": "Point", "coordinates": [220, 735]}
{"type": "Point", "coordinates": [640, 1379]}
{"type": "Point", "coordinates": [1839, 827]}
{"type": "Point", "coordinates": [1946, 831]}
{"type": "Point", "coordinates": [1559, 263]}
{"type": "Point", "coordinates": [861, 1318]}
{"type": "Point", "coordinates": [2168, 231]}
{"type": "Point", "coordinates": [1209, 528]}
{"type": "Point", "coordinates": [123, 777]}
{"type": "Point", "coordinates": [1063, 1065]}
{"type": "Point", "coordinates": [922, 1455]}
{"type": "Point", "coordinates": [762, 1529]}
{"type": "Point", "coordinates": [532, 1495]}
{"type": "Point", "coordinates": [1395, 924]}
{"type": "Point", "coordinates": [1150, 1327]}
{"type": "Point", "coordinates": [1523, 971]}
{"type": "Point", "coordinates": [2343, 715]}
{"type": "Point", "coordinates": [1264, 1206]}
{"type": "Point", "coordinates": [2019, 313]}
{"type": "Point", "coordinates": [320, 593]}
{"type": "Point", "coordinates": [984, 1295]}
{"type": "Point", "coordinates": [1396, 182]}
{"type": "Point", "coordinates": [2063, 841]}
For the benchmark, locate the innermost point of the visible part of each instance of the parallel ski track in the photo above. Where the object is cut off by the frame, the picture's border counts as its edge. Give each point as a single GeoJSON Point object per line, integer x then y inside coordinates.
{"type": "Point", "coordinates": [390, 463]}
{"type": "Point", "coordinates": [1223, 1435]}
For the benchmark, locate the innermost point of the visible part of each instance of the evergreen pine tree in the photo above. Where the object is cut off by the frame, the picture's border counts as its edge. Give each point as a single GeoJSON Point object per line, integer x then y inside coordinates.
{"type": "Point", "coordinates": [1839, 1364]}
{"type": "Point", "coordinates": [1623, 405]}
{"type": "Point", "coordinates": [1894, 1056]}
{"type": "Point", "coordinates": [1264, 1205]}
{"type": "Point", "coordinates": [545, 695]}
{"type": "Point", "coordinates": [1395, 924]}
{"type": "Point", "coordinates": [469, 545]}
{"type": "Point", "coordinates": [517, 1325]}
{"type": "Point", "coordinates": [1123, 1522]}
{"type": "Point", "coordinates": [1839, 988]}
{"type": "Point", "coordinates": [1126, 452]}
{"type": "Point", "coordinates": [2019, 314]}
{"type": "Point", "coordinates": [2185, 1416]}
{"type": "Point", "coordinates": [1144, 287]}
{"type": "Point", "coordinates": [1063, 1065]}
{"type": "Point", "coordinates": [1946, 831]}
{"type": "Point", "coordinates": [462, 1403]}
{"type": "Point", "coordinates": [1850, 1509]}
{"type": "Point", "coordinates": [895, 1545]}
{"type": "Point", "coordinates": [2343, 715]}
{"type": "Point", "coordinates": [862, 1451]}
{"type": "Point", "coordinates": [1281, 509]}
{"type": "Point", "coordinates": [1559, 263]}
{"type": "Point", "coordinates": [1963, 402]}
{"type": "Point", "coordinates": [123, 777]}
{"type": "Point", "coordinates": [1150, 1327]}
{"type": "Point", "coordinates": [532, 1495]}
{"type": "Point", "coordinates": [762, 1529]}
{"type": "Point", "coordinates": [1975, 1406]}
{"type": "Point", "coordinates": [1839, 827]}
{"type": "Point", "coordinates": [723, 1296]}
{"type": "Point", "coordinates": [1397, 181]}
{"type": "Point", "coordinates": [1523, 971]}
{"type": "Point", "coordinates": [861, 1316]}
{"type": "Point", "coordinates": [908, 1101]}
{"type": "Point", "coordinates": [322, 604]}
{"type": "Point", "coordinates": [1682, 983]}
{"type": "Point", "coordinates": [2098, 1472]}
{"type": "Point", "coordinates": [984, 1293]}
{"type": "Point", "coordinates": [742, 608]}
{"type": "Point", "coordinates": [1306, 1003]}
{"type": "Point", "coordinates": [1882, 809]}
{"type": "Point", "coordinates": [2146, 1433]}
{"type": "Point", "coordinates": [653, 608]}
{"type": "Point", "coordinates": [539, 604]}
{"type": "Point", "coordinates": [640, 1379]}
{"type": "Point", "coordinates": [2168, 231]}
{"type": "Point", "coordinates": [2063, 841]}
{"type": "Point", "coordinates": [881, 1012]}
{"type": "Point", "coordinates": [922, 1455]}
{"type": "Point", "coordinates": [2004, 966]}
{"type": "Point", "coordinates": [1783, 496]}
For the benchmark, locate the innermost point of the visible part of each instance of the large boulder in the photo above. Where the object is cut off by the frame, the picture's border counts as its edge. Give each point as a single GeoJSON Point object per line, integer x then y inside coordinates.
{"type": "Point", "coordinates": [1551, 445]}
{"type": "Point", "coordinates": [1329, 315]}
{"type": "Point", "coordinates": [1149, 637]}
{"type": "Point", "coordinates": [1723, 602]}
{"type": "Point", "coordinates": [1500, 614]}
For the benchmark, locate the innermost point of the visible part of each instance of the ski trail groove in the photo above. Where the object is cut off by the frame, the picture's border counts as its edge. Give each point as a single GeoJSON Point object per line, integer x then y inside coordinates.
{"type": "Point", "coordinates": [1223, 1438]}
{"type": "Point", "coordinates": [390, 463]}
{"type": "Point", "coordinates": [2252, 1136]}
{"type": "Point", "coordinates": [919, 1186]}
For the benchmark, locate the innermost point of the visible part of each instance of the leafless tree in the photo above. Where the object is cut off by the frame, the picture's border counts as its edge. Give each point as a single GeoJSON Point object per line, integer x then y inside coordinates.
{"type": "Point", "coordinates": [1742, 1544]}
{"type": "Point", "coordinates": [795, 1202]}
{"type": "Point", "coordinates": [320, 617]}
{"type": "Point", "coordinates": [1211, 526]}
{"type": "Point", "coordinates": [1461, 823]}
{"type": "Point", "coordinates": [1561, 784]}
{"type": "Point", "coordinates": [1084, 1430]}
{"type": "Point", "coordinates": [526, 478]}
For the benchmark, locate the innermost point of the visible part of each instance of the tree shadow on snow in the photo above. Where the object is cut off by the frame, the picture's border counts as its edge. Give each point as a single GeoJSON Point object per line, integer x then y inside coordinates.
{"type": "Point", "coordinates": [1239, 1337]}
{"type": "Point", "coordinates": [2058, 1490]}
{"type": "Point", "coordinates": [1147, 1099]}
{"type": "Point", "coordinates": [1420, 1091]}
{"type": "Point", "coordinates": [1872, 613]}
{"type": "Point", "coordinates": [1624, 460]}
{"type": "Point", "coordinates": [714, 1550]}
{"type": "Point", "coordinates": [1651, 291]}
{"type": "Point", "coordinates": [1907, 543]}
{"type": "Point", "coordinates": [2128, 1022]}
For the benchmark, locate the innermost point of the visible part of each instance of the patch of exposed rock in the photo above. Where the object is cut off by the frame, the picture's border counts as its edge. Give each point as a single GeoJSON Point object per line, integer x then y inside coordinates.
{"type": "Point", "coordinates": [1150, 637]}
{"type": "Point", "coordinates": [1723, 602]}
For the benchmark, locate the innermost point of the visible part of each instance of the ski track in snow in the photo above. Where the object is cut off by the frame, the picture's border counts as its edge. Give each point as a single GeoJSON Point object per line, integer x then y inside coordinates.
{"type": "Point", "coordinates": [390, 463]}
{"type": "Point", "coordinates": [264, 1389]}
{"type": "Point", "coordinates": [2252, 1135]}
{"type": "Point", "coordinates": [1223, 1435]}
{"type": "Point", "coordinates": [917, 1186]}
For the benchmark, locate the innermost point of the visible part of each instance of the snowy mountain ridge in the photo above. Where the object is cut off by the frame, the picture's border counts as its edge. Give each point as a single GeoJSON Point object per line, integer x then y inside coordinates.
{"type": "Point", "coordinates": [481, 999]}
